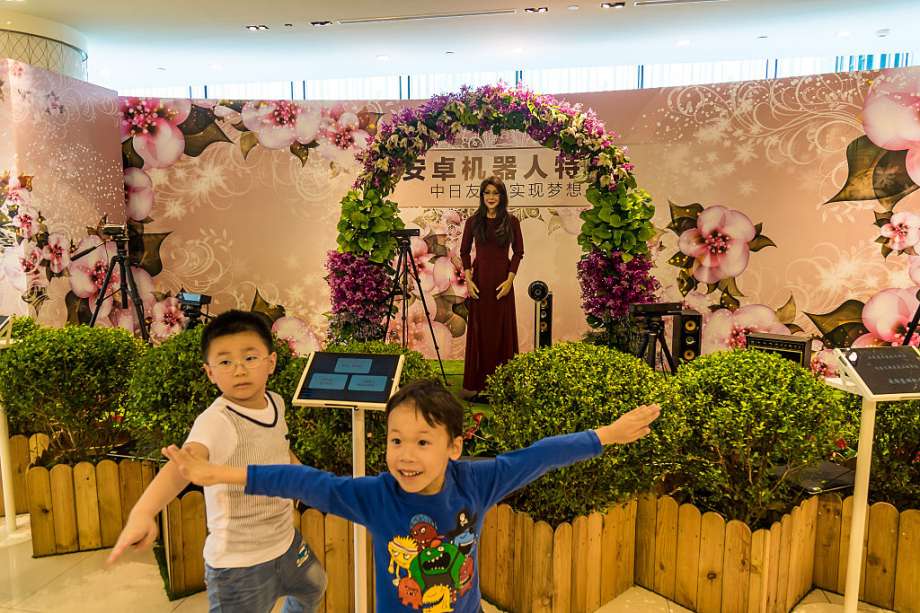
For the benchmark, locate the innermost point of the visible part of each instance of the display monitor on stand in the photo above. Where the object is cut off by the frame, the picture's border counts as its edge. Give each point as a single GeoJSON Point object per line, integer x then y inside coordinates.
{"type": "Point", "coordinates": [357, 382]}
{"type": "Point", "coordinates": [877, 374]}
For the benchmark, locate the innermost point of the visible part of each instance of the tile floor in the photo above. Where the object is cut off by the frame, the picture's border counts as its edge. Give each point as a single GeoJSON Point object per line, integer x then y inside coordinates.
{"type": "Point", "coordinates": [80, 583]}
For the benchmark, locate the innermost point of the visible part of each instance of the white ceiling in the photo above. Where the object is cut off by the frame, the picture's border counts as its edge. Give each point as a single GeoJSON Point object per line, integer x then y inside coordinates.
{"type": "Point", "coordinates": [176, 42]}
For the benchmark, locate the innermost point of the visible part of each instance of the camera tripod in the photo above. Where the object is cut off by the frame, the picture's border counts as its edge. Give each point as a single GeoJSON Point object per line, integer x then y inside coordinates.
{"type": "Point", "coordinates": [127, 285]}
{"type": "Point", "coordinates": [405, 266]}
{"type": "Point", "coordinates": [652, 337]}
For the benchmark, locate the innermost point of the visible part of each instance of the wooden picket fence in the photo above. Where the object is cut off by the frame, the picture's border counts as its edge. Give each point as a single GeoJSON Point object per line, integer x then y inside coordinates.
{"type": "Point", "coordinates": [23, 452]}
{"type": "Point", "coordinates": [83, 507]}
{"type": "Point", "coordinates": [890, 556]}
{"type": "Point", "coordinates": [330, 537]}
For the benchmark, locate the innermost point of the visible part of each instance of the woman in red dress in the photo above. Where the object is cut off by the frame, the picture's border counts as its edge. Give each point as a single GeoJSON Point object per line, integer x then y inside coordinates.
{"type": "Point", "coordinates": [491, 329]}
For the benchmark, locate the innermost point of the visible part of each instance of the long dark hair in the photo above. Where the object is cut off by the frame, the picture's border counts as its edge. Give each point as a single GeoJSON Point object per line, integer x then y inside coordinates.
{"type": "Point", "coordinates": [503, 225]}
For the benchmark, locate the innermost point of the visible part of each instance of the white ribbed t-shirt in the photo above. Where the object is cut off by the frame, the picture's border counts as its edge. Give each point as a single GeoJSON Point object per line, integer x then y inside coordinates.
{"type": "Point", "coordinates": [244, 530]}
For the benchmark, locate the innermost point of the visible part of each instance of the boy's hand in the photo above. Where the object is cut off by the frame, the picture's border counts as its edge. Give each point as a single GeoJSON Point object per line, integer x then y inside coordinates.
{"type": "Point", "coordinates": [630, 426]}
{"type": "Point", "coordinates": [139, 533]}
{"type": "Point", "coordinates": [202, 472]}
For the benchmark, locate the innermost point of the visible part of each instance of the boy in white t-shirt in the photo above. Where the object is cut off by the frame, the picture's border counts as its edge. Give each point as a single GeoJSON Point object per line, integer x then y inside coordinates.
{"type": "Point", "coordinates": [252, 553]}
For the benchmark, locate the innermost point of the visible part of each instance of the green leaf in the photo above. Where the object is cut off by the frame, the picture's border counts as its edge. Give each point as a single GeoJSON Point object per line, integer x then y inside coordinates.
{"type": "Point", "coordinates": [691, 210]}
{"type": "Point", "coordinates": [875, 173]}
{"type": "Point", "coordinates": [129, 157]}
{"type": "Point", "coordinates": [197, 121]}
{"type": "Point", "coordinates": [842, 326]}
{"type": "Point", "coordinates": [759, 242]}
{"type": "Point", "coordinates": [302, 152]}
{"type": "Point", "coordinates": [196, 143]}
{"type": "Point", "coordinates": [248, 141]}
{"type": "Point", "coordinates": [786, 313]}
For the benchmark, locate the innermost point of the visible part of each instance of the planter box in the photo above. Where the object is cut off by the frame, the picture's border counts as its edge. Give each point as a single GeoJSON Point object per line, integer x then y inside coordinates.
{"type": "Point", "coordinates": [83, 507]}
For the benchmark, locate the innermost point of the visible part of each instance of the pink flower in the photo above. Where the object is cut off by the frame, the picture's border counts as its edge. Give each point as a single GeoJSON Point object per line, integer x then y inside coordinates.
{"type": "Point", "coordinates": [12, 268]}
{"type": "Point", "coordinates": [57, 252]}
{"type": "Point", "coordinates": [824, 363]}
{"type": "Point", "coordinates": [125, 318]}
{"type": "Point", "coordinates": [727, 329]}
{"type": "Point", "coordinates": [279, 123]}
{"type": "Point", "coordinates": [418, 332]}
{"type": "Point", "coordinates": [30, 257]}
{"type": "Point", "coordinates": [297, 334]}
{"type": "Point", "coordinates": [88, 272]}
{"type": "Point", "coordinates": [886, 315]}
{"type": "Point", "coordinates": [700, 302]}
{"type": "Point", "coordinates": [914, 268]}
{"type": "Point", "coordinates": [435, 272]}
{"type": "Point", "coordinates": [168, 319]}
{"type": "Point", "coordinates": [27, 221]}
{"type": "Point", "coordinates": [138, 194]}
{"type": "Point", "coordinates": [340, 129]}
{"type": "Point", "coordinates": [153, 125]}
{"type": "Point", "coordinates": [718, 244]}
{"type": "Point", "coordinates": [902, 231]}
{"type": "Point", "coordinates": [891, 115]}
{"type": "Point", "coordinates": [18, 196]}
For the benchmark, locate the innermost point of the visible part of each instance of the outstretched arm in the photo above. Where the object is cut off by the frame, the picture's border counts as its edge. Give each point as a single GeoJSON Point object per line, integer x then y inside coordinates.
{"type": "Point", "coordinates": [630, 426]}
{"type": "Point", "coordinates": [201, 472]}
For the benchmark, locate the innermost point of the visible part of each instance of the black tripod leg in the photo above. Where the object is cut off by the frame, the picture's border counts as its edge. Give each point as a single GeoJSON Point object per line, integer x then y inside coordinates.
{"type": "Point", "coordinates": [394, 289]}
{"type": "Point", "coordinates": [129, 286]}
{"type": "Point", "coordinates": [103, 289]}
{"type": "Point", "coordinates": [667, 352]}
{"type": "Point", "coordinates": [434, 340]}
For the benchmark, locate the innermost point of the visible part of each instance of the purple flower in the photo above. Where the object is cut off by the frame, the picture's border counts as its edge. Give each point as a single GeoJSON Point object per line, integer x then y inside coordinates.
{"type": "Point", "coordinates": [609, 285]}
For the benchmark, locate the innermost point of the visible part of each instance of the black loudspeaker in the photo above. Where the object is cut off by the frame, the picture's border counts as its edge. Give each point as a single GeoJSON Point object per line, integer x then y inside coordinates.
{"type": "Point", "coordinates": [795, 348]}
{"type": "Point", "coordinates": [543, 322]}
{"type": "Point", "coordinates": [688, 335]}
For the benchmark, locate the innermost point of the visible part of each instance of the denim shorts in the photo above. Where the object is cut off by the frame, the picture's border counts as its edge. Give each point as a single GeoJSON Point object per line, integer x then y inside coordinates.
{"type": "Point", "coordinates": [296, 574]}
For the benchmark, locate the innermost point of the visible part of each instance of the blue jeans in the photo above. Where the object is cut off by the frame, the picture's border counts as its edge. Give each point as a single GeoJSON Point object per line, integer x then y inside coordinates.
{"type": "Point", "coordinates": [254, 589]}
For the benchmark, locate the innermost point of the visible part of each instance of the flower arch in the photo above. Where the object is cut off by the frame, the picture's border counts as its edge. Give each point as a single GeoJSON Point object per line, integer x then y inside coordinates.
{"type": "Point", "coordinates": [617, 225]}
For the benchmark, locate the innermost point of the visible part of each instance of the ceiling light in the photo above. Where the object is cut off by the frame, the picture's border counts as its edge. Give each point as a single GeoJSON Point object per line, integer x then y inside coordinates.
{"type": "Point", "coordinates": [843, 34]}
{"type": "Point", "coordinates": [573, 7]}
{"type": "Point", "coordinates": [429, 16]}
{"type": "Point", "coordinates": [613, 5]}
{"type": "Point", "coordinates": [537, 9]}
{"type": "Point", "coordinates": [289, 25]}
{"type": "Point", "coordinates": [320, 24]}
{"type": "Point", "coordinates": [256, 28]}
{"type": "Point", "coordinates": [763, 36]}
{"type": "Point", "coordinates": [883, 33]}
{"type": "Point", "coordinates": [163, 68]}
{"type": "Point", "coordinates": [448, 53]}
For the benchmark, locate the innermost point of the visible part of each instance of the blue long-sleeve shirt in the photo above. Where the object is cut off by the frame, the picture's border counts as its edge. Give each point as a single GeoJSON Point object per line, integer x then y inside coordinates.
{"type": "Point", "coordinates": [425, 546]}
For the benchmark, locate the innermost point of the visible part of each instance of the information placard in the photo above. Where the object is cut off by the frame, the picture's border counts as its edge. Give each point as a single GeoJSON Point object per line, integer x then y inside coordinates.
{"type": "Point", "coordinates": [358, 380]}
{"type": "Point", "coordinates": [886, 371]}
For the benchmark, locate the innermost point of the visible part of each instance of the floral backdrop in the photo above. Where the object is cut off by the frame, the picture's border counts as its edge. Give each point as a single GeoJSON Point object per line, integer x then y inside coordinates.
{"type": "Point", "coordinates": [784, 206]}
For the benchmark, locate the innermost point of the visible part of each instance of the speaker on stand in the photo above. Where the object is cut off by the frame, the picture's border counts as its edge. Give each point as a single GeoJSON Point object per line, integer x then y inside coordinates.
{"type": "Point", "coordinates": [687, 335]}
{"type": "Point", "coordinates": [542, 314]}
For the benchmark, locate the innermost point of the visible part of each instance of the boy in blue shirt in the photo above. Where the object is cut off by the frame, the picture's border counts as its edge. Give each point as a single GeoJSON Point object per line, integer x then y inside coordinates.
{"type": "Point", "coordinates": [426, 513]}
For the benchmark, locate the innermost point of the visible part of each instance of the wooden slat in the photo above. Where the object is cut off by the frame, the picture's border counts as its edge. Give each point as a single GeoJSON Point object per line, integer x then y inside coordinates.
{"type": "Point", "coordinates": [773, 567]}
{"type": "Point", "coordinates": [807, 575]}
{"type": "Point", "coordinates": [65, 509]}
{"type": "Point", "coordinates": [666, 547]}
{"type": "Point", "coordinates": [760, 561]}
{"type": "Point", "coordinates": [313, 529]}
{"type": "Point", "coordinates": [20, 462]}
{"type": "Point", "coordinates": [194, 530]}
{"type": "Point", "coordinates": [882, 555]}
{"type": "Point", "coordinates": [846, 521]}
{"type": "Point", "coordinates": [518, 571]}
{"type": "Point", "coordinates": [172, 528]}
{"type": "Point", "coordinates": [351, 566]}
{"type": "Point", "coordinates": [736, 567]}
{"type": "Point", "coordinates": [562, 568]}
{"type": "Point", "coordinates": [131, 482]}
{"type": "Point", "coordinates": [712, 545]}
{"type": "Point", "coordinates": [646, 520]}
{"type": "Point", "coordinates": [797, 528]}
{"type": "Point", "coordinates": [526, 584]}
{"type": "Point", "coordinates": [89, 532]}
{"type": "Point", "coordinates": [488, 554]}
{"type": "Point", "coordinates": [907, 581]}
{"type": "Point", "coordinates": [609, 551]}
{"type": "Point", "coordinates": [148, 472]}
{"type": "Point", "coordinates": [108, 492]}
{"type": "Point", "coordinates": [595, 535]}
{"type": "Point", "coordinates": [371, 574]}
{"type": "Point", "coordinates": [337, 563]}
{"type": "Point", "coordinates": [38, 443]}
{"type": "Point", "coordinates": [543, 568]}
{"type": "Point", "coordinates": [504, 559]}
{"type": "Point", "coordinates": [626, 543]}
{"type": "Point", "coordinates": [827, 541]}
{"type": "Point", "coordinates": [38, 480]}
{"type": "Point", "coordinates": [580, 567]}
{"type": "Point", "coordinates": [689, 524]}
{"type": "Point", "coordinates": [785, 557]}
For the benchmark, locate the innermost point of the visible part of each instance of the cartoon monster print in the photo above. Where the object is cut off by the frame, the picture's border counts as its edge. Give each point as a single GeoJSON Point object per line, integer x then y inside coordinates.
{"type": "Point", "coordinates": [438, 565]}
{"type": "Point", "coordinates": [409, 593]}
{"type": "Point", "coordinates": [463, 536]}
{"type": "Point", "coordinates": [466, 576]}
{"type": "Point", "coordinates": [402, 551]}
{"type": "Point", "coordinates": [423, 530]}
{"type": "Point", "coordinates": [438, 599]}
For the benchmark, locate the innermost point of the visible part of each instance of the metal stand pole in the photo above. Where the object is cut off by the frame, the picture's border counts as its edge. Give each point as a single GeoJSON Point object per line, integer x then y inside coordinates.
{"type": "Point", "coordinates": [358, 458]}
{"type": "Point", "coordinates": [860, 505]}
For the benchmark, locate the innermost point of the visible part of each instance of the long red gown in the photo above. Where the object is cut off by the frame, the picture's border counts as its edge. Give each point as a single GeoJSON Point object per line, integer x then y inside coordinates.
{"type": "Point", "coordinates": [491, 330]}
